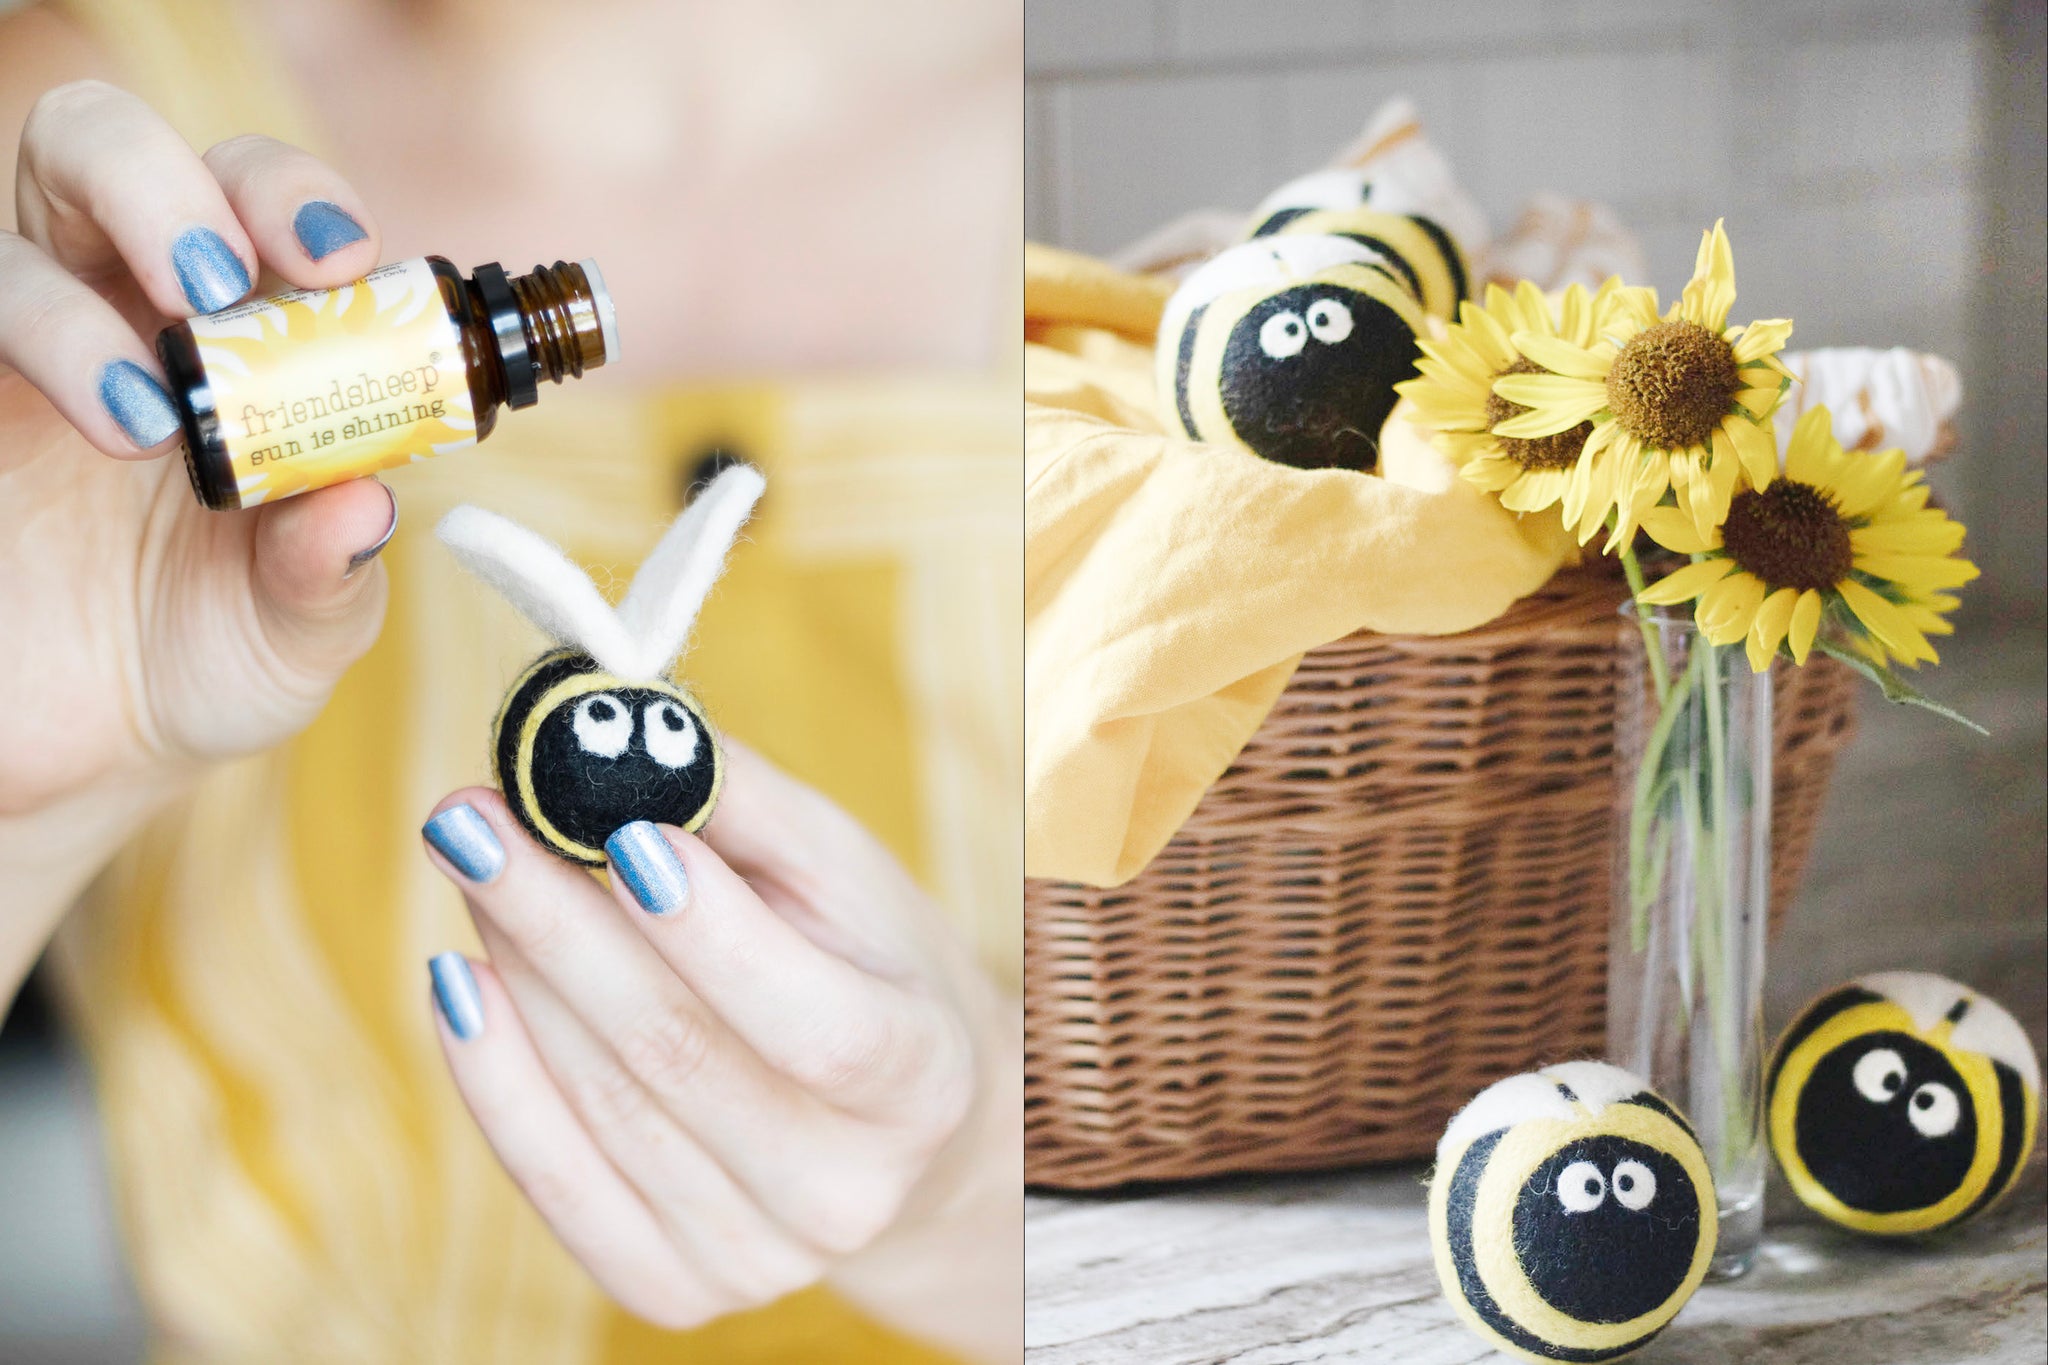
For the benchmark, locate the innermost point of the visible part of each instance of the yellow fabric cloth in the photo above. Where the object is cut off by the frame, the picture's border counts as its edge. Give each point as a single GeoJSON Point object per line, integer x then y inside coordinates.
{"type": "Point", "coordinates": [1171, 587]}
{"type": "Point", "coordinates": [296, 1176]}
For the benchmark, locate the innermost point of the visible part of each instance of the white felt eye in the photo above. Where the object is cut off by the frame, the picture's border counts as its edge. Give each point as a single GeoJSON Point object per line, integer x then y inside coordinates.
{"type": "Point", "coordinates": [1282, 335]}
{"type": "Point", "coordinates": [1634, 1184]}
{"type": "Point", "coordinates": [1581, 1187]}
{"type": "Point", "coordinates": [1879, 1074]}
{"type": "Point", "coordinates": [671, 734]}
{"type": "Point", "coordinates": [603, 725]}
{"type": "Point", "coordinates": [1329, 321]}
{"type": "Point", "coordinates": [1934, 1110]}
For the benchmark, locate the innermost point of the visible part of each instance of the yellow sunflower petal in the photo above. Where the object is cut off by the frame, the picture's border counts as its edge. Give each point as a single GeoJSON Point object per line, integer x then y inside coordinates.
{"type": "Point", "coordinates": [1574, 315]}
{"type": "Point", "coordinates": [1555, 403]}
{"type": "Point", "coordinates": [1757, 448]}
{"type": "Point", "coordinates": [1766, 336]}
{"type": "Point", "coordinates": [1563, 357]}
{"type": "Point", "coordinates": [1490, 472]}
{"type": "Point", "coordinates": [1730, 605]}
{"type": "Point", "coordinates": [1675, 531]}
{"type": "Point", "coordinates": [1532, 310]}
{"type": "Point", "coordinates": [1773, 620]}
{"type": "Point", "coordinates": [1687, 582]}
{"type": "Point", "coordinates": [1534, 491]}
{"type": "Point", "coordinates": [1922, 535]}
{"type": "Point", "coordinates": [1919, 573]}
{"type": "Point", "coordinates": [1886, 622]}
{"type": "Point", "coordinates": [1812, 440]}
{"type": "Point", "coordinates": [1805, 625]}
{"type": "Point", "coordinates": [1711, 292]}
{"type": "Point", "coordinates": [1761, 402]}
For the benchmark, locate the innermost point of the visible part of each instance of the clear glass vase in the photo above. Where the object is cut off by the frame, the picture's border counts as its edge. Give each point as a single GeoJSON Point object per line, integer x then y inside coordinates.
{"type": "Point", "coordinates": [1691, 899]}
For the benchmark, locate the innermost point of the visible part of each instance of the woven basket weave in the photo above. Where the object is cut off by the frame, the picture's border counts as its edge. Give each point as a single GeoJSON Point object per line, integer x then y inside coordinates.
{"type": "Point", "coordinates": [1397, 894]}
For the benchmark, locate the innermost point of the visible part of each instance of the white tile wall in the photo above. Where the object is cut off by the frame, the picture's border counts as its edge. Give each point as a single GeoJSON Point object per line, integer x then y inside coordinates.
{"type": "Point", "coordinates": [1844, 140]}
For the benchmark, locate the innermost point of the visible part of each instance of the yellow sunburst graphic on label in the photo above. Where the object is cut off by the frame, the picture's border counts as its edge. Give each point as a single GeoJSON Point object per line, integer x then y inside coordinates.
{"type": "Point", "coordinates": [318, 386]}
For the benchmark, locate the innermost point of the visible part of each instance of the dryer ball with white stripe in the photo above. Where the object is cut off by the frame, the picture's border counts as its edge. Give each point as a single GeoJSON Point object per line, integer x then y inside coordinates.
{"type": "Point", "coordinates": [594, 734]}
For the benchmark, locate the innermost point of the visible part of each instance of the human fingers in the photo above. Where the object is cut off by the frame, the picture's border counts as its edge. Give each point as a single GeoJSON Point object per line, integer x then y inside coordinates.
{"type": "Point", "coordinates": [110, 189]}
{"type": "Point", "coordinates": [788, 1148]}
{"type": "Point", "coordinates": [734, 1243]}
{"type": "Point", "coordinates": [79, 351]}
{"type": "Point", "coordinates": [317, 593]}
{"type": "Point", "coordinates": [820, 868]}
{"type": "Point", "coordinates": [308, 223]}
{"type": "Point", "coordinates": [545, 1149]}
{"type": "Point", "coordinates": [872, 1047]}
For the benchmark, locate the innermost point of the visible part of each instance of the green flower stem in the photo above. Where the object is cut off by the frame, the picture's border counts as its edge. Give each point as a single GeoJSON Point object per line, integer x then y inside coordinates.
{"type": "Point", "coordinates": [1645, 622]}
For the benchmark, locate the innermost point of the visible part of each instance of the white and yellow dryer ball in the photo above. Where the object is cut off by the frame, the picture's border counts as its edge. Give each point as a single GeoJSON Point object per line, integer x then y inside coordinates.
{"type": "Point", "coordinates": [1288, 347]}
{"type": "Point", "coordinates": [1571, 1213]}
{"type": "Point", "coordinates": [1902, 1102]}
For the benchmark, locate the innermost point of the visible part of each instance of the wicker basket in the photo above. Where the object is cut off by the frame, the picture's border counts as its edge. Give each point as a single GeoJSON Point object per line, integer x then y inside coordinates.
{"type": "Point", "coordinates": [1398, 894]}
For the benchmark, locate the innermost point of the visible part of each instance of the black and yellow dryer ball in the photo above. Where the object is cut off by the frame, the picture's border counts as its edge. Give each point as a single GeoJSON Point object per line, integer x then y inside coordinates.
{"type": "Point", "coordinates": [1377, 215]}
{"type": "Point", "coordinates": [1571, 1213]}
{"type": "Point", "coordinates": [1289, 347]}
{"type": "Point", "coordinates": [1902, 1102]}
{"type": "Point", "coordinates": [579, 752]}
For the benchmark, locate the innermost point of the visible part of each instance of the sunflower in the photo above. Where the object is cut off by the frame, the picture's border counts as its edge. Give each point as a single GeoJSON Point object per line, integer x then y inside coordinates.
{"type": "Point", "coordinates": [1681, 401]}
{"type": "Point", "coordinates": [1840, 534]}
{"type": "Point", "coordinates": [1454, 397]}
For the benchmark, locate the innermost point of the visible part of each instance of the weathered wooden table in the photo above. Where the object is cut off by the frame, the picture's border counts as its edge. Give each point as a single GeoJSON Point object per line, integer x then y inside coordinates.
{"type": "Point", "coordinates": [1930, 855]}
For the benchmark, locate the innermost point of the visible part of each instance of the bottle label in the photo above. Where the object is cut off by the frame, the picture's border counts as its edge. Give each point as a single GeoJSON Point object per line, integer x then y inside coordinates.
{"type": "Point", "coordinates": [317, 386]}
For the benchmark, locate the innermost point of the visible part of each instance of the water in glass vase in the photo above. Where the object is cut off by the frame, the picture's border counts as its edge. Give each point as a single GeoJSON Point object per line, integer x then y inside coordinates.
{"type": "Point", "coordinates": [1691, 899]}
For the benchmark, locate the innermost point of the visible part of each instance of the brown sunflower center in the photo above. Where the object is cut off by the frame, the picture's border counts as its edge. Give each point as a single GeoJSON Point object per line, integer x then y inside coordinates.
{"type": "Point", "coordinates": [1557, 451]}
{"type": "Point", "coordinates": [1671, 384]}
{"type": "Point", "coordinates": [1790, 535]}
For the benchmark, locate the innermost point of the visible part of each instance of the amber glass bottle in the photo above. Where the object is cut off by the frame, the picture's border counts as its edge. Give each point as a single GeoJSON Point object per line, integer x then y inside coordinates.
{"type": "Point", "coordinates": [286, 394]}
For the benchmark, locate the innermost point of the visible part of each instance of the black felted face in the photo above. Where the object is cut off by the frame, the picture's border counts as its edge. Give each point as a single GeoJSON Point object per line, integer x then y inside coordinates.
{"type": "Point", "coordinates": [1309, 373]}
{"type": "Point", "coordinates": [580, 754]}
{"type": "Point", "coordinates": [1612, 1225]}
{"type": "Point", "coordinates": [1885, 1124]}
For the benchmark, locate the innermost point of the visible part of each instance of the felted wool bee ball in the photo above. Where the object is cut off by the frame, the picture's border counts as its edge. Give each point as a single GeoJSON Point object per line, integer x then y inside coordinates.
{"type": "Point", "coordinates": [1289, 347]}
{"type": "Point", "coordinates": [1421, 254]}
{"type": "Point", "coordinates": [1902, 1102]}
{"type": "Point", "coordinates": [579, 752]}
{"type": "Point", "coordinates": [1571, 1213]}
{"type": "Point", "coordinates": [1381, 214]}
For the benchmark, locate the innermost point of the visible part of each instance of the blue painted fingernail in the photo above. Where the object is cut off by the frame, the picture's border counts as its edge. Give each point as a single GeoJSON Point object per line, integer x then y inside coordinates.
{"type": "Point", "coordinates": [370, 552]}
{"type": "Point", "coordinates": [323, 228]}
{"type": "Point", "coordinates": [652, 871]}
{"type": "Point", "coordinates": [209, 272]}
{"type": "Point", "coordinates": [455, 994]}
{"type": "Point", "coordinates": [461, 836]}
{"type": "Point", "coordinates": [138, 403]}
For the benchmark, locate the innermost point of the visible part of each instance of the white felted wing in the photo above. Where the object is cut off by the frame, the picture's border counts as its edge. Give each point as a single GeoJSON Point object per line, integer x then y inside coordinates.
{"type": "Point", "coordinates": [642, 638]}
{"type": "Point", "coordinates": [547, 587]}
{"type": "Point", "coordinates": [662, 605]}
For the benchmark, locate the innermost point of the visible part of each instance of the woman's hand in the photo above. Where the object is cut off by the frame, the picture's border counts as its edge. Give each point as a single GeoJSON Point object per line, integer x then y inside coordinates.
{"type": "Point", "coordinates": [146, 634]}
{"type": "Point", "coordinates": [759, 1060]}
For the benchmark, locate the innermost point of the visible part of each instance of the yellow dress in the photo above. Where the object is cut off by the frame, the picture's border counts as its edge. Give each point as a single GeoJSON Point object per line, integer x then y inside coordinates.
{"type": "Point", "coordinates": [296, 1176]}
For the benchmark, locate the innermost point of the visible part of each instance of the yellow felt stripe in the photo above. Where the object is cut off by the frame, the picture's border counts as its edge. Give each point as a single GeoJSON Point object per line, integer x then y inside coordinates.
{"type": "Point", "coordinates": [1528, 1145]}
{"type": "Point", "coordinates": [1883, 1016]}
{"type": "Point", "coordinates": [1416, 247]}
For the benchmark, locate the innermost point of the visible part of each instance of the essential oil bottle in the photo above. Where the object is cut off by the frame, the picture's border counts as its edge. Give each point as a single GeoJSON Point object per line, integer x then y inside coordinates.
{"type": "Point", "coordinates": [295, 392]}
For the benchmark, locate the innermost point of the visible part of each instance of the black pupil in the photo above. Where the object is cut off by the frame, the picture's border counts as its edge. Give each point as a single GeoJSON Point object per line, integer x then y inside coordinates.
{"type": "Point", "coordinates": [601, 709]}
{"type": "Point", "coordinates": [1624, 1182]}
{"type": "Point", "coordinates": [671, 718]}
{"type": "Point", "coordinates": [1923, 1100]}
